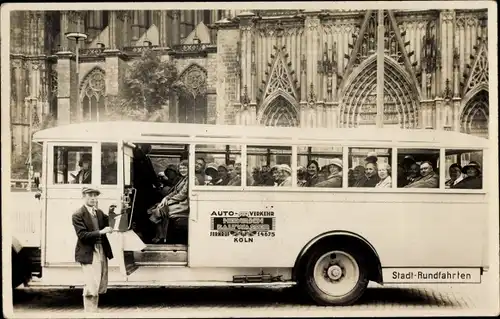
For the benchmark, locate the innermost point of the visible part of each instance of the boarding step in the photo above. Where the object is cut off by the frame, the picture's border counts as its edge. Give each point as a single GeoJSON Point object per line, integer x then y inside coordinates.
{"type": "Point", "coordinates": [162, 255]}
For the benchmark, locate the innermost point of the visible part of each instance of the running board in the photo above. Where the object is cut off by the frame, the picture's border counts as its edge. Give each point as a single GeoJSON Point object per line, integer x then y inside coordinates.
{"type": "Point", "coordinates": [156, 256]}
{"type": "Point", "coordinates": [161, 264]}
{"type": "Point", "coordinates": [146, 284]}
{"type": "Point", "coordinates": [249, 279]}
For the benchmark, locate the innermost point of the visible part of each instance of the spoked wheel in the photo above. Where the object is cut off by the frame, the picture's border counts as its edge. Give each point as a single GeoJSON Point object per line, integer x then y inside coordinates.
{"type": "Point", "coordinates": [335, 276]}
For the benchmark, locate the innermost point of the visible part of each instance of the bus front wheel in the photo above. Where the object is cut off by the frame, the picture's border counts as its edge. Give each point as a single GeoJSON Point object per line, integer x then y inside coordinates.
{"type": "Point", "coordinates": [335, 276]}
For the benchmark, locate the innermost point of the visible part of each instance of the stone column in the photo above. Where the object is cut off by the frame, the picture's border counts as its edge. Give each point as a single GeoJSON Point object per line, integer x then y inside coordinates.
{"type": "Point", "coordinates": [124, 16]}
{"type": "Point", "coordinates": [112, 24]}
{"type": "Point", "coordinates": [64, 28]}
{"type": "Point", "coordinates": [176, 30]}
{"type": "Point", "coordinates": [163, 28]}
{"type": "Point", "coordinates": [135, 27]}
{"type": "Point", "coordinates": [63, 87]}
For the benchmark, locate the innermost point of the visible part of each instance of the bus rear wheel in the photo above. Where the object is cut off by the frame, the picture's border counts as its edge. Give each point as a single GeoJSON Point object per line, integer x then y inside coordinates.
{"type": "Point", "coordinates": [335, 276]}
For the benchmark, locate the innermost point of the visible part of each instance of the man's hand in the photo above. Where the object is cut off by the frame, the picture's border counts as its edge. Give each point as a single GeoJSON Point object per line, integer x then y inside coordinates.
{"type": "Point", "coordinates": [106, 230]}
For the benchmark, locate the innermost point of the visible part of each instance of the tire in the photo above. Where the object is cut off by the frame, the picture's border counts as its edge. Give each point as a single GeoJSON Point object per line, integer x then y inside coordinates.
{"type": "Point", "coordinates": [335, 275]}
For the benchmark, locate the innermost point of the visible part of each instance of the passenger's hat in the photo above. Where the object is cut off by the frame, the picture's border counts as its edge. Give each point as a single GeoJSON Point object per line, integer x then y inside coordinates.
{"type": "Point", "coordinates": [86, 157]}
{"type": "Point", "coordinates": [337, 162]}
{"type": "Point", "coordinates": [472, 164]}
{"type": "Point", "coordinates": [90, 190]}
{"type": "Point", "coordinates": [371, 157]}
{"type": "Point", "coordinates": [286, 168]}
{"type": "Point", "coordinates": [211, 166]}
{"type": "Point", "coordinates": [224, 166]}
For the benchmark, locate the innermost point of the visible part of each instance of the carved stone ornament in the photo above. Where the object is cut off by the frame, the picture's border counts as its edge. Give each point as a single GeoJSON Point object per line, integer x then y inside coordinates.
{"type": "Point", "coordinates": [123, 15]}
{"type": "Point", "coordinates": [195, 80]}
{"type": "Point", "coordinates": [312, 24]}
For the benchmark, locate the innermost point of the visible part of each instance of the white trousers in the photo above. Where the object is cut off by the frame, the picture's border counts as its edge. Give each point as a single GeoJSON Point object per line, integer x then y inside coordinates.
{"type": "Point", "coordinates": [95, 277]}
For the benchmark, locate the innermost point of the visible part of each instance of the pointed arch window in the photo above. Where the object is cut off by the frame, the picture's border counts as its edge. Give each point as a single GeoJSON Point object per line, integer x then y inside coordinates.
{"type": "Point", "coordinates": [192, 106]}
{"type": "Point", "coordinates": [475, 116]}
{"type": "Point", "coordinates": [92, 96]}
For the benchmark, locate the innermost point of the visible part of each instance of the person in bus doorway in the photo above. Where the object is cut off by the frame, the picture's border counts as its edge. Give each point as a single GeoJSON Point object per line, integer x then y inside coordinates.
{"type": "Point", "coordinates": [84, 175]}
{"type": "Point", "coordinates": [92, 248]}
{"type": "Point", "coordinates": [428, 178]}
{"type": "Point", "coordinates": [285, 178]}
{"type": "Point", "coordinates": [334, 178]}
{"type": "Point", "coordinates": [456, 175]}
{"type": "Point", "coordinates": [384, 173]}
{"type": "Point", "coordinates": [177, 207]}
{"type": "Point", "coordinates": [312, 173]}
{"type": "Point", "coordinates": [370, 178]}
{"type": "Point", "coordinates": [199, 170]}
{"type": "Point", "coordinates": [473, 180]}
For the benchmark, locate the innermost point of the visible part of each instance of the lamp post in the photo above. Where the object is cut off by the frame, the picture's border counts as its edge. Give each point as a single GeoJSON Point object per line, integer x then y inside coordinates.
{"type": "Point", "coordinates": [77, 37]}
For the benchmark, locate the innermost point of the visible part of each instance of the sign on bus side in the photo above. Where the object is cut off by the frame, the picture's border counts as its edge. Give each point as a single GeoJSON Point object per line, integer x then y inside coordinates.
{"type": "Point", "coordinates": [243, 226]}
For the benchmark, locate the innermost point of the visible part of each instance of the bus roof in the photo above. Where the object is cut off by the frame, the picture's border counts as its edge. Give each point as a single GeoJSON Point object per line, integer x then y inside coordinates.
{"type": "Point", "coordinates": [147, 131]}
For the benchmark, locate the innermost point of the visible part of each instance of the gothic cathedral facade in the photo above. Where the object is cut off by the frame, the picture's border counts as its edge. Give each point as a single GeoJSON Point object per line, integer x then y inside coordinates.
{"type": "Point", "coordinates": [299, 68]}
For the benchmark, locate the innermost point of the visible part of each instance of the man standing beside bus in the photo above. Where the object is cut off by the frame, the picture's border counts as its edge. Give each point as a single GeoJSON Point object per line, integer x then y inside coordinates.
{"type": "Point", "coordinates": [92, 248]}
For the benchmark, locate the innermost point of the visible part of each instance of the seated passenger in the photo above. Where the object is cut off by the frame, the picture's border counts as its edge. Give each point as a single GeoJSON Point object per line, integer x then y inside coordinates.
{"type": "Point", "coordinates": [175, 204]}
{"type": "Point", "coordinates": [357, 173]}
{"type": "Point", "coordinates": [223, 177]}
{"type": "Point", "coordinates": [285, 178]}
{"type": "Point", "coordinates": [267, 178]}
{"type": "Point", "coordinates": [413, 173]}
{"type": "Point", "coordinates": [256, 176]}
{"type": "Point", "coordinates": [109, 168]}
{"type": "Point", "coordinates": [301, 176]}
{"type": "Point", "coordinates": [84, 175]}
{"type": "Point", "coordinates": [169, 179]}
{"type": "Point", "coordinates": [312, 177]}
{"type": "Point", "coordinates": [213, 173]}
{"type": "Point", "coordinates": [234, 174]}
{"type": "Point", "coordinates": [473, 180]}
{"type": "Point", "coordinates": [371, 158]}
{"type": "Point", "coordinates": [275, 175]}
{"type": "Point", "coordinates": [370, 178]}
{"type": "Point", "coordinates": [402, 180]}
{"type": "Point", "coordinates": [334, 179]}
{"type": "Point", "coordinates": [456, 175]}
{"type": "Point", "coordinates": [384, 172]}
{"type": "Point", "coordinates": [428, 178]}
{"type": "Point", "coordinates": [199, 170]}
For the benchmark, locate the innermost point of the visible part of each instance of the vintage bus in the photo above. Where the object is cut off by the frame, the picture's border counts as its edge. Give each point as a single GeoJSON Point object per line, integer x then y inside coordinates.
{"type": "Point", "coordinates": [325, 210]}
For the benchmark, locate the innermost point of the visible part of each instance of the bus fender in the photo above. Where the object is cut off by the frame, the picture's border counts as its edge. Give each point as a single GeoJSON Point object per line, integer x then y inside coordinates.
{"type": "Point", "coordinates": [20, 265]}
{"type": "Point", "coordinates": [372, 255]}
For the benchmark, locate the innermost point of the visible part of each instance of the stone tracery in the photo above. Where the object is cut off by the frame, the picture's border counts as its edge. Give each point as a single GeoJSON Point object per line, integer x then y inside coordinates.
{"type": "Point", "coordinates": [92, 95]}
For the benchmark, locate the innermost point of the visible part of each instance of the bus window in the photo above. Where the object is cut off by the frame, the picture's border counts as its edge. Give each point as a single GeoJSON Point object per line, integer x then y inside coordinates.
{"type": "Point", "coordinates": [72, 165]}
{"type": "Point", "coordinates": [218, 165]}
{"type": "Point", "coordinates": [109, 163]}
{"type": "Point", "coordinates": [464, 169]}
{"type": "Point", "coordinates": [418, 168]}
{"type": "Point", "coordinates": [370, 167]}
{"type": "Point", "coordinates": [269, 165]}
{"type": "Point", "coordinates": [319, 166]}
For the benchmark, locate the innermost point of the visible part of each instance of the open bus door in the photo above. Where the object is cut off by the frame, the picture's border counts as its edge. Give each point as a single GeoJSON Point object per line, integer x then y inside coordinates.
{"type": "Point", "coordinates": [121, 219]}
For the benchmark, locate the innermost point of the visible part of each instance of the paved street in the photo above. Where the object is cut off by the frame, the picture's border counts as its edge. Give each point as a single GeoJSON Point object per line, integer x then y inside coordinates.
{"type": "Point", "coordinates": [210, 302]}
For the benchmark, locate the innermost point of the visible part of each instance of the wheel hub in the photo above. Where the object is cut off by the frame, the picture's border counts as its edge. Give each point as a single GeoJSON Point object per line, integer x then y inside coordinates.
{"type": "Point", "coordinates": [334, 272]}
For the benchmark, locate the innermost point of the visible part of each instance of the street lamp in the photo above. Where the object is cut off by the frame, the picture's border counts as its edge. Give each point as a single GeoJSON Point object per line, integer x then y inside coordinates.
{"type": "Point", "coordinates": [77, 37]}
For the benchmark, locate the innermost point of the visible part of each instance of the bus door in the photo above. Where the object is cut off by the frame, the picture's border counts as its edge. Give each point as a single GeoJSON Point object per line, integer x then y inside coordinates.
{"type": "Point", "coordinates": [121, 218]}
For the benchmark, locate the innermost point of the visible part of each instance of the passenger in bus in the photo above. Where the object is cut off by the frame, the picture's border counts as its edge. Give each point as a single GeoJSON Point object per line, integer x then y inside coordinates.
{"type": "Point", "coordinates": [108, 168]}
{"type": "Point", "coordinates": [312, 177]}
{"type": "Point", "coordinates": [223, 176]}
{"type": "Point", "coordinates": [199, 170]}
{"type": "Point", "coordinates": [275, 172]}
{"type": "Point", "coordinates": [357, 173]}
{"type": "Point", "coordinates": [473, 180]}
{"type": "Point", "coordinates": [235, 173]}
{"type": "Point", "coordinates": [256, 176]}
{"type": "Point", "coordinates": [371, 158]}
{"type": "Point", "coordinates": [384, 172]}
{"type": "Point", "coordinates": [212, 172]}
{"type": "Point", "coordinates": [285, 175]}
{"type": "Point", "coordinates": [267, 178]}
{"type": "Point", "coordinates": [413, 173]}
{"type": "Point", "coordinates": [370, 178]}
{"type": "Point", "coordinates": [84, 175]}
{"type": "Point", "coordinates": [301, 176]}
{"type": "Point", "coordinates": [428, 178]}
{"type": "Point", "coordinates": [402, 180]}
{"type": "Point", "coordinates": [171, 177]}
{"type": "Point", "coordinates": [334, 178]}
{"type": "Point", "coordinates": [176, 205]}
{"type": "Point", "coordinates": [456, 175]}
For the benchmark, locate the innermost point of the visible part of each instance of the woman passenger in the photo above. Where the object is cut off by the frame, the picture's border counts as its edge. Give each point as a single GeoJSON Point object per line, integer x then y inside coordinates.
{"type": "Point", "coordinates": [384, 172]}
{"type": "Point", "coordinates": [456, 175]}
{"type": "Point", "coordinates": [474, 179]}
{"type": "Point", "coordinates": [312, 174]}
{"type": "Point", "coordinates": [223, 176]}
{"type": "Point", "coordinates": [334, 179]}
{"type": "Point", "coordinates": [212, 171]}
